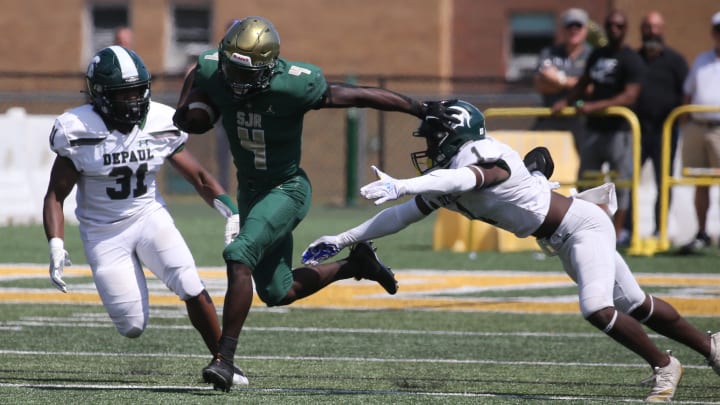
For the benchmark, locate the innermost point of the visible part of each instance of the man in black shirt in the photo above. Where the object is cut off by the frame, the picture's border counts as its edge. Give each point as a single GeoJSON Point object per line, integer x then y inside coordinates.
{"type": "Point", "coordinates": [661, 92]}
{"type": "Point", "coordinates": [614, 72]}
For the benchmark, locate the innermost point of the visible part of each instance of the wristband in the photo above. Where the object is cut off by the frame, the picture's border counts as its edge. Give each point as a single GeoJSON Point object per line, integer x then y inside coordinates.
{"type": "Point", "coordinates": [225, 206]}
{"type": "Point", "coordinates": [56, 243]}
{"type": "Point", "coordinates": [579, 103]}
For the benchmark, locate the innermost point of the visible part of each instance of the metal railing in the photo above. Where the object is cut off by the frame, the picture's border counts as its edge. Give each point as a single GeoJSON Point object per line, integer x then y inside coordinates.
{"type": "Point", "coordinates": [667, 180]}
{"type": "Point", "coordinates": [637, 246]}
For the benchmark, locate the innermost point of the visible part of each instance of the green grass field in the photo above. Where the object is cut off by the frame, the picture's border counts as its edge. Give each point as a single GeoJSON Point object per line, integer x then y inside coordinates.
{"type": "Point", "coordinates": [401, 350]}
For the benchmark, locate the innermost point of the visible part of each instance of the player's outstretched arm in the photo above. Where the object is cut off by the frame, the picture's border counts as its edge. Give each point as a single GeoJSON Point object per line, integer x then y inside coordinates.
{"type": "Point", "coordinates": [386, 222]}
{"type": "Point", "coordinates": [437, 182]}
{"type": "Point", "coordinates": [343, 95]}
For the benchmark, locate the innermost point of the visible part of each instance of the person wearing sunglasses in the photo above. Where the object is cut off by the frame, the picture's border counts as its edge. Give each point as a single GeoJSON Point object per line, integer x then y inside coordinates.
{"type": "Point", "coordinates": [612, 77]}
{"type": "Point", "coordinates": [661, 92]}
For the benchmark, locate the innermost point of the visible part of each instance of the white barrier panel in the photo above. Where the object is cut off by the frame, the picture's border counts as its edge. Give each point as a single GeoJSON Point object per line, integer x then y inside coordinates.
{"type": "Point", "coordinates": [25, 163]}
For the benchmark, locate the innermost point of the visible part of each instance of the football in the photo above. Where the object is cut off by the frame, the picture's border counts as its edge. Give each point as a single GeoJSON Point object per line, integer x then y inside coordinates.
{"type": "Point", "coordinates": [199, 115]}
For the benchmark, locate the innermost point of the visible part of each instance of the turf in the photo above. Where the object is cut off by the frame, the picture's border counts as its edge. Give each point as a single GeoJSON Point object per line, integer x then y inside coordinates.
{"type": "Point", "coordinates": [69, 353]}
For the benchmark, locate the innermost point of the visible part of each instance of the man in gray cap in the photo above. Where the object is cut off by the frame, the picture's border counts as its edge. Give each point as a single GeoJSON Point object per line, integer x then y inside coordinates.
{"type": "Point", "coordinates": [559, 67]}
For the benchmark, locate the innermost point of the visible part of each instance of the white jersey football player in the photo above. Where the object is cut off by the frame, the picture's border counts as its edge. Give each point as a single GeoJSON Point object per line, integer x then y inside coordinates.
{"type": "Point", "coordinates": [484, 179]}
{"type": "Point", "coordinates": [112, 150]}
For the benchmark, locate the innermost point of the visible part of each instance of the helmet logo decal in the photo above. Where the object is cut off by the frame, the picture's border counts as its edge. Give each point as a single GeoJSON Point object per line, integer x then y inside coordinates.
{"type": "Point", "coordinates": [462, 115]}
{"type": "Point", "coordinates": [91, 68]}
{"type": "Point", "coordinates": [127, 64]}
{"type": "Point", "coordinates": [241, 59]}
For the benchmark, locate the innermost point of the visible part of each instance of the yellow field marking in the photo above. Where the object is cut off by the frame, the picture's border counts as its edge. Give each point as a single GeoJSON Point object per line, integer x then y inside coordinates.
{"type": "Point", "coordinates": [441, 290]}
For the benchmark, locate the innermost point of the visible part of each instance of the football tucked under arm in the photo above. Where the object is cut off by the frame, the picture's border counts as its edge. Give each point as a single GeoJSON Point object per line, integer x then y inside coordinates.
{"type": "Point", "coordinates": [197, 115]}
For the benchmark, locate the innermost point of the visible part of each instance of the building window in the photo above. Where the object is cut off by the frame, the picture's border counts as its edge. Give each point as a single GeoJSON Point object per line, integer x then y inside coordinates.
{"type": "Point", "coordinates": [102, 21]}
{"type": "Point", "coordinates": [190, 35]}
{"type": "Point", "coordinates": [529, 33]}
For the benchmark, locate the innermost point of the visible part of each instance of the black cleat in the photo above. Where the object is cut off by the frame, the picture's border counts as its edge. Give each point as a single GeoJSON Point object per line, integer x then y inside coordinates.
{"type": "Point", "coordinates": [219, 373]}
{"type": "Point", "coordinates": [371, 268]}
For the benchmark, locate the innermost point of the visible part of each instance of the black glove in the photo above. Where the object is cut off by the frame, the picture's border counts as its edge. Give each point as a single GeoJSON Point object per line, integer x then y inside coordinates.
{"type": "Point", "coordinates": [539, 160]}
{"type": "Point", "coordinates": [438, 110]}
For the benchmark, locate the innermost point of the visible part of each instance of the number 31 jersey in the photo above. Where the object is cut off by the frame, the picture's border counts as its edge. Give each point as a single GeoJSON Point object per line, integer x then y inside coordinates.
{"type": "Point", "coordinates": [117, 171]}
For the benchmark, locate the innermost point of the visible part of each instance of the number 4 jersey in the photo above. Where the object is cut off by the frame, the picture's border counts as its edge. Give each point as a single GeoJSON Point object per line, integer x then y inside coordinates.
{"type": "Point", "coordinates": [117, 171]}
{"type": "Point", "coordinates": [265, 130]}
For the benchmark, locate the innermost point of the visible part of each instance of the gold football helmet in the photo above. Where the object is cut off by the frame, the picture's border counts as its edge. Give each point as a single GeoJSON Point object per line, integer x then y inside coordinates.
{"type": "Point", "coordinates": [247, 54]}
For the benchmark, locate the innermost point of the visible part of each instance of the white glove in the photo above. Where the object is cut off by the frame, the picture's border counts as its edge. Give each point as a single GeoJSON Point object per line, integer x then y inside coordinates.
{"type": "Point", "coordinates": [59, 258]}
{"type": "Point", "coordinates": [322, 249]}
{"type": "Point", "coordinates": [232, 228]}
{"type": "Point", "coordinates": [385, 189]}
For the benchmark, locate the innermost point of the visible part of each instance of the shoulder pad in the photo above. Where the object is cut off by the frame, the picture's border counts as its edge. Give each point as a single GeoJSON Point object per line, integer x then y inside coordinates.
{"type": "Point", "coordinates": [77, 127]}
{"type": "Point", "coordinates": [485, 150]}
{"type": "Point", "coordinates": [160, 119]}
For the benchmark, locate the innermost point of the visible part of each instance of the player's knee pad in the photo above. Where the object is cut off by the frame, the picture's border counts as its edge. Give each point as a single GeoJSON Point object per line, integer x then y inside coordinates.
{"type": "Point", "coordinates": [130, 326]}
{"type": "Point", "coordinates": [648, 315]}
{"type": "Point", "coordinates": [186, 283]}
{"type": "Point", "coordinates": [243, 250]}
{"type": "Point", "coordinates": [600, 320]}
{"type": "Point", "coordinates": [130, 318]}
{"type": "Point", "coordinates": [593, 304]}
{"type": "Point", "coordinates": [611, 324]}
{"type": "Point", "coordinates": [132, 332]}
{"type": "Point", "coordinates": [272, 295]}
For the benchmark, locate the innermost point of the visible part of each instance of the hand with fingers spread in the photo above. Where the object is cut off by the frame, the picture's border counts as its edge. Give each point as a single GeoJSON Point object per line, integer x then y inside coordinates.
{"type": "Point", "coordinates": [386, 188]}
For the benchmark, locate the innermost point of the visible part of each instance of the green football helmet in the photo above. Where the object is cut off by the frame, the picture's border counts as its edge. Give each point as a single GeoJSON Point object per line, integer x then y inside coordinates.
{"type": "Point", "coordinates": [119, 86]}
{"type": "Point", "coordinates": [443, 144]}
{"type": "Point", "coordinates": [247, 55]}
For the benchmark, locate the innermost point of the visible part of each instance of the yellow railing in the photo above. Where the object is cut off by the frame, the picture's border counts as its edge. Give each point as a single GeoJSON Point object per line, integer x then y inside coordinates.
{"type": "Point", "coordinates": [637, 246]}
{"type": "Point", "coordinates": [667, 180]}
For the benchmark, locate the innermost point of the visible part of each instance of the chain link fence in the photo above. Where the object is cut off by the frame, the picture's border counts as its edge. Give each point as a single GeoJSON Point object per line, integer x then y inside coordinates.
{"type": "Point", "coordinates": [384, 138]}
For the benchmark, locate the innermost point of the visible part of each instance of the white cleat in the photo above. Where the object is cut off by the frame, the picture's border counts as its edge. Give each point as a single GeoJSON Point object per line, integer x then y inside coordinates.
{"type": "Point", "coordinates": [665, 381]}
{"type": "Point", "coordinates": [239, 378]}
{"type": "Point", "coordinates": [714, 358]}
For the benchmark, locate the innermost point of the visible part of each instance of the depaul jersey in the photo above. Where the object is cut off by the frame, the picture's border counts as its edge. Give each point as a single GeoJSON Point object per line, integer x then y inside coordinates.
{"type": "Point", "coordinates": [265, 130]}
{"type": "Point", "coordinates": [117, 171]}
{"type": "Point", "coordinates": [518, 204]}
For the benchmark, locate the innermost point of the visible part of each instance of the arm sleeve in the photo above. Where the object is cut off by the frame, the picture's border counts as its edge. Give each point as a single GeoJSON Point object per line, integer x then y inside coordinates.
{"type": "Point", "coordinates": [386, 222]}
{"type": "Point", "coordinates": [443, 181]}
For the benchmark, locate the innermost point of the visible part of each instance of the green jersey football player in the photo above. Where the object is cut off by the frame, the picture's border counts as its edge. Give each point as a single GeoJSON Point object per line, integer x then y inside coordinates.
{"type": "Point", "coordinates": [260, 101]}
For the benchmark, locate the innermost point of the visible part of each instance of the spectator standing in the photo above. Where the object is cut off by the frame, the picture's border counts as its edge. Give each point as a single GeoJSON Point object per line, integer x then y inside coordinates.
{"type": "Point", "coordinates": [661, 92]}
{"type": "Point", "coordinates": [701, 137]}
{"type": "Point", "coordinates": [559, 68]}
{"type": "Point", "coordinates": [612, 78]}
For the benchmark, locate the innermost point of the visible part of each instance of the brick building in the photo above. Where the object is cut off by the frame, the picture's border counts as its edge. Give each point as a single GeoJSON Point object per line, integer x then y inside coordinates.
{"type": "Point", "coordinates": [479, 49]}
